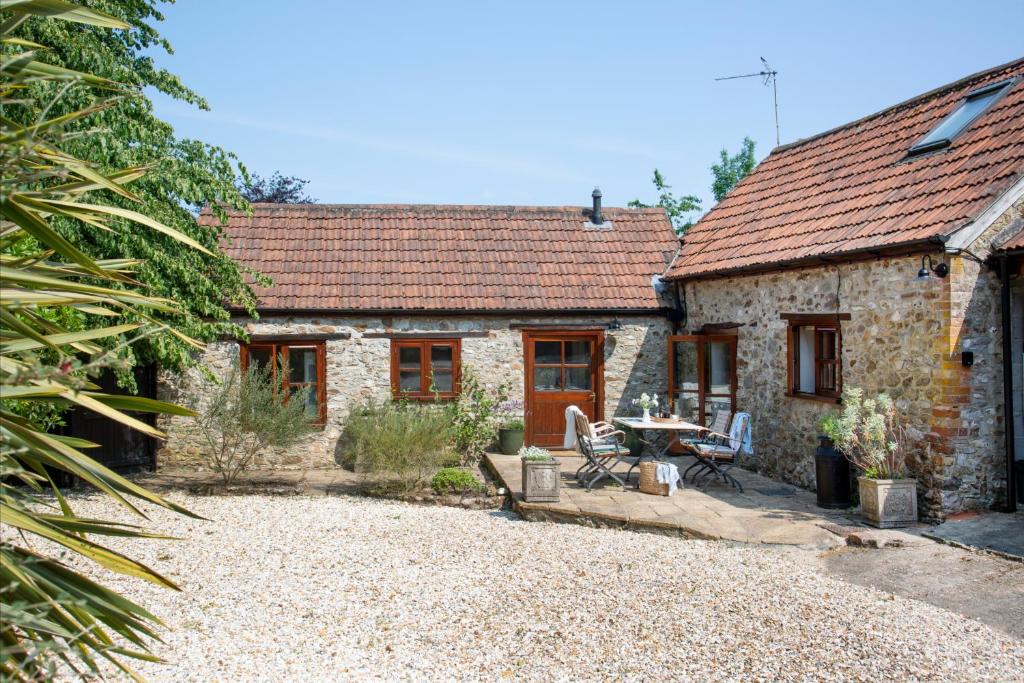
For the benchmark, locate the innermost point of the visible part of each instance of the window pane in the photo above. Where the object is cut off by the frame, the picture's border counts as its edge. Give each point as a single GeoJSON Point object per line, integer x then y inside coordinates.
{"type": "Point", "coordinates": [442, 381]}
{"type": "Point", "coordinates": [718, 358]}
{"type": "Point", "coordinates": [409, 380]}
{"type": "Point", "coordinates": [804, 369]}
{"type": "Point", "coordinates": [409, 357]}
{"type": "Point", "coordinates": [684, 359]}
{"type": "Point", "coordinates": [827, 344]}
{"type": "Point", "coordinates": [577, 352]}
{"type": "Point", "coordinates": [441, 357]}
{"type": "Point", "coordinates": [302, 365]}
{"type": "Point", "coordinates": [959, 119]}
{"type": "Point", "coordinates": [547, 352]}
{"type": "Point", "coordinates": [713, 405]}
{"type": "Point", "coordinates": [312, 406]}
{"type": "Point", "coordinates": [259, 357]}
{"type": "Point", "coordinates": [547, 379]}
{"type": "Point", "coordinates": [578, 378]}
{"type": "Point", "coordinates": [686, 407]}
{"type": "Point", "coordinates": [827, 377]}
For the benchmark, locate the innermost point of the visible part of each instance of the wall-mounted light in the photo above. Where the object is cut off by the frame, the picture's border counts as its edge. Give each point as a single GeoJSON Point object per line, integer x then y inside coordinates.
{"type": "Point", "coordinates": [614, 325]}
{"type": "Point", "coordinates": [940, 269]}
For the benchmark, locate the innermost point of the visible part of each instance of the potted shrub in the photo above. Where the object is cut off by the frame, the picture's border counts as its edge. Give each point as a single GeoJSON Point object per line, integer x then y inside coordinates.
{"type": "Point", "coordinates": [510, 435]}
{"type": "Point", "coordinates": [510, 431]}
{"type": "Point", "coordinates": [541, 476]}
{"type": "Point", "coordinates": [871, 434]}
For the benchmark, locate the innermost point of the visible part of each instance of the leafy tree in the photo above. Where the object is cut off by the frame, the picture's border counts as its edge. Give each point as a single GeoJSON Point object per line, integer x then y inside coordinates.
{"type": "Point", "coordinates": [246, 415]}
{"type": "Point", "coordinates": [181, 174]}
{"type": "Point", "coordinates": [59, 305]}
{"type": "Point", "coordinates": [277, 189]}
{"type": "Point", "coordinates": [679, 209]}
{"type": "Point", "coordinates": [730, 170]}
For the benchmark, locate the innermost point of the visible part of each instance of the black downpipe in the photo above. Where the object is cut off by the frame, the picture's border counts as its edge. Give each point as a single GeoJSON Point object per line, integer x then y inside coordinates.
{"type": "Point", "coordinates": [1004, 296]}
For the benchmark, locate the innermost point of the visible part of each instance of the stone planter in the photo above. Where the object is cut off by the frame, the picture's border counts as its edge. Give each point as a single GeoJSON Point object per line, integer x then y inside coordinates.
{"type": "Point", "coordinates": [541, 481]}
{"type": "Point", "coordinates": [510, 440]}
{"type": "Point", "coordinates": [887, 503]}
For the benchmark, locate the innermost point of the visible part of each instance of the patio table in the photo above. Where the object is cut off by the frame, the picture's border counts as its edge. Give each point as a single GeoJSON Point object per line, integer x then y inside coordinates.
{"type": "Point", "coordinates": [639, 424]}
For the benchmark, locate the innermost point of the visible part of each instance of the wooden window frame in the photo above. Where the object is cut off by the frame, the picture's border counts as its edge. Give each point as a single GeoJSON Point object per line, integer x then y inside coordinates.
{"type": "Point", "coordinates": [278, 348]}
{"type": "Point", "coordinates": [425, 368]}
{"type": "Point", "coordinates": [701, 341]}
{"type": "Point", "coordinates": [830, 322]}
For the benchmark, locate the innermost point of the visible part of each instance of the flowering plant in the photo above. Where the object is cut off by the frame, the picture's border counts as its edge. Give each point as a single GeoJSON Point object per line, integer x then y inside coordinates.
{"type": "Point", "coordinates": [511, 412]}
{"type": "Point", "coordinates": [870, 433]}
{"type": "Point", "coordinates": [534, 453]}
{"type": "Point", "coordinates": [646, 401]}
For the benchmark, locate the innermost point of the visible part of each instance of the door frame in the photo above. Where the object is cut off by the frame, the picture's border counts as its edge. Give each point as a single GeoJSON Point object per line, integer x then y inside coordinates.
{"type": "Point", "coordinates": [556, 334]}
{"type": "Point", "coordinates": [701, 341]}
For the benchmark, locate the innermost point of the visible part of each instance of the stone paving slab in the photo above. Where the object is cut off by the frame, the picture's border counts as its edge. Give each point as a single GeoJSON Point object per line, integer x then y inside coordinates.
{"type": "Point", "coordinates": [998, 532]}
{"type": "Point", "coordinates": [766, 512]}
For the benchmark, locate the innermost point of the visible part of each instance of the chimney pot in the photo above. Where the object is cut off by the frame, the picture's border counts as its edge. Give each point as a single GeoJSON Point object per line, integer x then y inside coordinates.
{"type": "Point", "coordinates": [596, 217]}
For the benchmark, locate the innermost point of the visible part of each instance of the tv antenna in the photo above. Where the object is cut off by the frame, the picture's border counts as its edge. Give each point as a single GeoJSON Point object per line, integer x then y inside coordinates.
{"type": "Point", "coordinates": [769, 75]}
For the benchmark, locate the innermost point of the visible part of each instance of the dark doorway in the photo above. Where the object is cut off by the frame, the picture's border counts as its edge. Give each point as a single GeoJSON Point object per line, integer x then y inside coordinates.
{"type": "Point", "coordinates": [121, 448]}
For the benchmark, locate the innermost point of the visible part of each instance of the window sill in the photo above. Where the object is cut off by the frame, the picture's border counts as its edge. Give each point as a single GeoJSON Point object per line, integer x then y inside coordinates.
{"type": "Point", "coordinates": [834, 400]}
{"type": "Point", "coordinates": [444, 398]}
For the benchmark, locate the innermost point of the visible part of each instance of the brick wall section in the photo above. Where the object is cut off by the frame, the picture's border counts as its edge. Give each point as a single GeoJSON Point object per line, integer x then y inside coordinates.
{"type": "Point", "coordinates": [358, 369]}
{"type": "Point", "coordinates": [968, 415]}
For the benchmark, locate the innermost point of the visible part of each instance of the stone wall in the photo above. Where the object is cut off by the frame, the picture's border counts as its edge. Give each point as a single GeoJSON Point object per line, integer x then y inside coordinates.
{"type": "Point", "coordinates": [886, 347]}
{"type": "Point", "coordinates": [904, 338]}
{"type": "Point", "coordinates": [358, 369]}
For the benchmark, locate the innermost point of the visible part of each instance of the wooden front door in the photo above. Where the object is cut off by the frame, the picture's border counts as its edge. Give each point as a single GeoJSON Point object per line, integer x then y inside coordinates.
{"type": "Point", "coordinates": [562, 369]}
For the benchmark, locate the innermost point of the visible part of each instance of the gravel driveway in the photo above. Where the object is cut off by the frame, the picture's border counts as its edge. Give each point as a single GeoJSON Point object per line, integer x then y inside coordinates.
{"type": "Point", "coordinates": [343, 588]}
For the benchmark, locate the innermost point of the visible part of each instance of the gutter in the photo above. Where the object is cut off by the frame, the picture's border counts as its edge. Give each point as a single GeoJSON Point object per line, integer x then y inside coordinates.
{"type": "Point", "coordinates": [423, 312]}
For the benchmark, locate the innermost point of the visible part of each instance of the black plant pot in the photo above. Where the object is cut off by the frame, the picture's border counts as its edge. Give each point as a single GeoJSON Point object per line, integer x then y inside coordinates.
{"type": "Point", "coordinates": [832, 473]}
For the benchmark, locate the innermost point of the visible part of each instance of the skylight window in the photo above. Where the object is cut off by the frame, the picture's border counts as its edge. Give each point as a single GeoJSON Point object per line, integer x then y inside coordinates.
{"type": "Point", "coordinates": [973, 106]}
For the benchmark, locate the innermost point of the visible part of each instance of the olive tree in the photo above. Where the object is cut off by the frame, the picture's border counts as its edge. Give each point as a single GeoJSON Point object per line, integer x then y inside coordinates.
{"type": "Point", "coordinates": [249, 413]}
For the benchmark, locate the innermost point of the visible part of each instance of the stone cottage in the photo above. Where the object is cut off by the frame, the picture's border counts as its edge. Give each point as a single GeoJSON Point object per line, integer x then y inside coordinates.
{"type": "Point", "coordinates": [862, 257]}
{"type": "Point", "coordinates": [880, 254]}
{"type": "Point", "coordinates": [381, 302]}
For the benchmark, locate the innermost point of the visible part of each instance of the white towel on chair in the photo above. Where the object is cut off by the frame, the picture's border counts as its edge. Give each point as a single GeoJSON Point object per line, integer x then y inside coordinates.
{"type": "Point", "coordinates": [569, 441]}
{"type": "Point", "coordinates": [667, 473]}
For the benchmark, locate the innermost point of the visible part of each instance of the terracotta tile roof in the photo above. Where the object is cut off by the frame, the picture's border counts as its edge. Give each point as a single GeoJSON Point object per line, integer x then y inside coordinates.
{"type": "Point", "coordinates": [1013, 242]}
{"type": "Point", "coordinates": [431, 258]}
{"type": "Point", "coordinates": [854, 189]}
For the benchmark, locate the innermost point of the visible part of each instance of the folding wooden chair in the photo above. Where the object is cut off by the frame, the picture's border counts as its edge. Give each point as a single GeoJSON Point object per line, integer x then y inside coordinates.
{"type": "Point", "coordinates": [718, 452]}
{"type": "Point", "coordinates": [720, 420]}
{"type": "Point", "coordinates": [601, 449]}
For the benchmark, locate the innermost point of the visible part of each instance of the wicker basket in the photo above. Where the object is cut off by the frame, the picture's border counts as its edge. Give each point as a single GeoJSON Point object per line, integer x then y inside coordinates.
{"type": "Point", "coordinates": [665, 420]}
{"type": "Point", "coordinates": [649, 479]}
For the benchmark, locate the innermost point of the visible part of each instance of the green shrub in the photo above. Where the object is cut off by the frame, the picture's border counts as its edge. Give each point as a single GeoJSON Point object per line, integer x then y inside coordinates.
{"type": "Point", "coordinates": [475, 416]}
{"type": "Point", "coordinates": [248, 414]}
{"type": "Point", "coordinates": [514, 423]}
{"type": "Point", "coordinates": [455, 480]}
{"type": "Point", "coordinates": [403, 444]}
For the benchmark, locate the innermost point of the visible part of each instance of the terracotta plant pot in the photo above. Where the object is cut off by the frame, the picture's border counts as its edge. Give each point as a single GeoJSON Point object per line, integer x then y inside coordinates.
{"type": "Point", "coordinates": [510, 440]}
{"type": "Point", "coordinates": [887, 503]}
{"type": "Point", "coordinates": [541, 481]}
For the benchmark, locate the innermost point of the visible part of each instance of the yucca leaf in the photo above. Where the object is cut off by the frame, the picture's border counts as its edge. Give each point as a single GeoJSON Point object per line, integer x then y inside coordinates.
{"type": "Point", "coordinates": [137, 217]}
{"type": "Point", "coordinates": [58, 9]}
{"type": "Point", "coordinates": [54, 340]}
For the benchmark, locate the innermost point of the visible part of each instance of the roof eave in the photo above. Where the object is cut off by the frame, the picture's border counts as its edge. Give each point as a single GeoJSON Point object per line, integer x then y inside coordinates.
{"type": "Point", "coordinates": [907, 248]}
